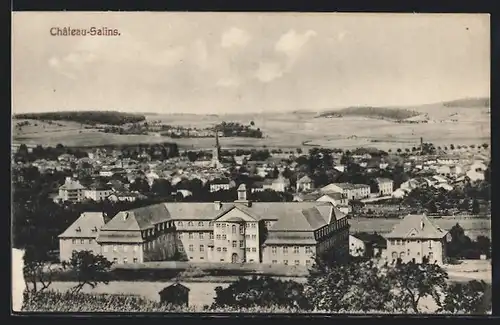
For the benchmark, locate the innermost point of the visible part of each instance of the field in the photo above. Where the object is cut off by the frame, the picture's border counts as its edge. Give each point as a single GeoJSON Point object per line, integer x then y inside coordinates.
{"type": "Point", "coordinates": [292, 130]}
{"type": "Point", "coordinates": [473, 227]}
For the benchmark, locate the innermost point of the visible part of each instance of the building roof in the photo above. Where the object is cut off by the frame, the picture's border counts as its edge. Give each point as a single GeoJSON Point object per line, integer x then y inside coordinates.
{"type": "Point", "coordinates": [86, 226]}
{"type": "Point", "coordinates": [417, 227]}
{"type": "Point", "coordinates": [72, 185]}
{"type": "Point", "coordinates": [175, 286]}
{"type": "Point", "coordinates": [384, 180]}
{"type": "Point", "coordinates": [344, 186]}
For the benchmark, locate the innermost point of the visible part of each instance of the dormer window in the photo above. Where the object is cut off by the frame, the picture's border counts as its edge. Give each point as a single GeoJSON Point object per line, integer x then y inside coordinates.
{"type": "Point", "coordinates": [200, 223]}
{"type": "Point", "coordinates": [190, 224]}
{"type": "Point", "coordinates": [179, 223]}
{"type": "Point", "coordinates": [94, 229]}
{"type": "Point", "coordinates": [78, 229]}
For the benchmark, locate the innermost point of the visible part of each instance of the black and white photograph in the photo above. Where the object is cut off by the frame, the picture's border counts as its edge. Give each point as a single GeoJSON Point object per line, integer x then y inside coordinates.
{"type": "Point", "coordinates": [251, 162]}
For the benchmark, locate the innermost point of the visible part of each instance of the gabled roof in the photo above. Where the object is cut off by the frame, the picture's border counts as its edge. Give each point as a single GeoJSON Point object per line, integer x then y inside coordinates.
{"type": "Point", "coordinates": [305, 179]}
{"type": "Point", "coordinates": [72, 185]}
{"type": "Point", "coordinates": [384, 180]}
{"type": "Point", "coordinates": [175, 286]}
{"type": "Point", "coordinates": [86, 226]}
{"type": "Point", "coordinates": [417, 227]}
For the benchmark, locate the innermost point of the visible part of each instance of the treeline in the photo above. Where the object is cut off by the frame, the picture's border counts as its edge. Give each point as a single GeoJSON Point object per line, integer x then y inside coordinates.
{"type": "Point", "coordinates": [373, 112]}
{"type": "Point", "coordinates": [157, 151]}
{"type": "Point", "coordinates": [235, 129]}
{"type": "Point", "coordinates": [47, 153]}
{"type": "Point", "coordinates": [468, 102]}
{"type": "Point", "coordinates": [86, 117]}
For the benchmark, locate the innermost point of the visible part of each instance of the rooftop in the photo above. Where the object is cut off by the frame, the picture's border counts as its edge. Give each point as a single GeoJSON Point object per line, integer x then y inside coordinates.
{"type": "Point", "coordinates": [86, 226]}
{"type": "Point", "coordinates": [416, 227]}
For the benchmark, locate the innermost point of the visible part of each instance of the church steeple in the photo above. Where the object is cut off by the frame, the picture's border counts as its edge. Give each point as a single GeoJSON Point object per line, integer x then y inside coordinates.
{"type": "Point", "coordinates": [216, 151]}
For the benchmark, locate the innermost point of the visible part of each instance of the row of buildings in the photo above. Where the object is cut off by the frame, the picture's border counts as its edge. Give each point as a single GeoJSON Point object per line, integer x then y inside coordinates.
{"type": "Point", "coordinates": [288, 233]}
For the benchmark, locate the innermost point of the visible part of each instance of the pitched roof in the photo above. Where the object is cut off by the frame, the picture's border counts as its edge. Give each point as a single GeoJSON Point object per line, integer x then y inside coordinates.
{"type": "Point", "coordinates": [305, 179]}
{"type": "Point", "coordinates": [86, 226]}
{"type": "Point", "coordinates": [290, 237]}
{"type": "Point", "coordinates": [417, 227]}
{"type": "Point", "coordinates": [384, 180]}
{"type": "Point", "coordinates": [72, 185]}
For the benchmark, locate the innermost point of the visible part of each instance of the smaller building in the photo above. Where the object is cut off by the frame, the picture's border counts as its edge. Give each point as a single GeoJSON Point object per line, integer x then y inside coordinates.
{"type": "Point", "coordinates": [175, 295]}
{"type": "Point", "coordinates": [385, 186]}
{"type": "Point", "coordinates": [305, 184]}
{"type": "Point", "coordinates": [416, 237]}
{"type": "Point", "coordinates": [221, 185]}
{"type": "Point", "coordinates": [98, 192]}
{"type": "Point", "coordinates": [351, 191]}
{"type": "Point", "coordinates": [71, 191]}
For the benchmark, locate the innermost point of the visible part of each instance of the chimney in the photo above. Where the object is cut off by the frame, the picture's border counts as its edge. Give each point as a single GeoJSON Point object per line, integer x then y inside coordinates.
{"type": "Point", "coordinates": [422, 225]}
{"type": "Point", "coordinates": [242, 192]}
{"type": "Point", "coordinates": [217, 205]}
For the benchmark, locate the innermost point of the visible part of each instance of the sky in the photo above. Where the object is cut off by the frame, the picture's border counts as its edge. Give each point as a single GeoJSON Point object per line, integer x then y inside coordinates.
{"type": "Point", "coordinates": [214, 63]}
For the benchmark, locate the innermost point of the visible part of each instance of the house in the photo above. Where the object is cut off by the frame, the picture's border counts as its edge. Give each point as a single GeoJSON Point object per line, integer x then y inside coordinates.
{"type": "Point", "coordinates": [448, 160]}
{"type": "Point", "coordinates": [417, 237]}
{"type": "Point", "coordinates": [71, 191]}
{"type": "Point", "coordinates": [228, 232]}
{"type": "Point", "coordinates": [98, 192]}
{"type": "Point", "coordinates": [337, 199]}
{"type": "Point", "coordinates": [81, 235]}
{"type": "Point", "coordinates": [356, 246]}
{"type": "Point", "coordinates": [279, 184]}
{"type": "Point", "coordinates": [66, 158]}
{"type": "Point", "coordinates": [221, 184]}
{"type": "Point", "coordinates": [175, 295]}
{"type": "Point", "coordinates": [385, 186]}
{"type": "Point", "coordinates": [305, 184]}
{"type": "Point", "coordinates": [125, 196]}
{"type": "Point", "coordinates": [351, 191]}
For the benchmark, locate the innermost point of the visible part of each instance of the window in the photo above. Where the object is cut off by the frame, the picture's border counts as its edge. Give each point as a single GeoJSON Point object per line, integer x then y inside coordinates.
{"type": "Point", "coordinates": [200, 223]}
{"type": "Point", "coordinates": [82, 241]}
{"type": "Point", "coordinates": [224, 249]}
{"type": "Point", "coordinates": [308, 262]}
{"type": "Point", "coordinates": [247, 236]}
{"type": "Point", "coordinates": [201, 235]}
{"type": "Point", "coordinates": [308, 250]}
{"type": "Point", "coordinates": [285, 250]}
{"type": "Point", "coordinates": [191, 248]}
{"type": "Point", "coordinates": [268, 224]}
{"type": "Point", "coordinates": [181, 249]}
{"type": "Point", "coordinates": [73, 241]}
{"type": "Point", "coordinates": [254, 237]}
{"type": "Point", "coordinates": [242, 243]}
{"type": "Point", "coordinates": [202, 248]}
{"type": "Point", "coordinates": [430, 243]}
{"type": "Point", "coordinates": [191, 235]}
{"type": "Point", "coordinates": [115, 248]}
{"type": "Point", "coordinates": [235, 244]}
{"type": "Point", "coordinates": [408, 252]}
{"type": "Point", "coordinates": [297, 262]}
{"type": "Point", "coordinates": [273, 250]}
{"type": "Point", "coordinates": [190, 224]}
{"type": "Point", "coordinates": [218, 249]}
{"type": "Point", "coordinates": [179, 235]}
{"type": "Point", "coordinates": [224, 237]}
{"type": "Point", "coordinates": [125, 260]}
{"type": "Point", "coordinates": [115, 260]}
{"type": "Point", "coordinates": [233, 229]}
{"type": "Point", "coordinates": [296, 249]}
{"type": "Point", "coordinates": [179, 223]}
{"type": "Point", "coordinates": [125, 248]}
{"type": "Point", "coordinates": [275, 262]}
{"type": "Point", "coordinates": [248, 249]}
{"type": "Point", "coordinates": [211, 224]}
{"type": "Point", "coordinates": [218, 237]}
{"type": "Point", "coordinates": [285, 262]}
{"type": "Point", "coordinates": [135, 259]}
{"type": "Point", "coordinates": [242, 230]}
{"type": "Point", "coordinates": [211, 235]}
{"type": "Point", "coordinates": [247, 225]}
{"type": "Point", "coordinates": [253, 225]}
{"type": "Point", "coordinates": [254, 249]}
{"type": "Point", "coordinates": [224, 226]}
{"type": "Point", "coordinates": [136, 248]}
{"type": "Point", "coordinates": [217, 225]}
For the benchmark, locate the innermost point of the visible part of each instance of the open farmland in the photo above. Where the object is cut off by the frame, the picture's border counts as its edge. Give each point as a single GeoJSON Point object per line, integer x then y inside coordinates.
{"type": "Point", "coordinates": [446, 125]}
{"type": "Point", "coordinates": [473, 227]}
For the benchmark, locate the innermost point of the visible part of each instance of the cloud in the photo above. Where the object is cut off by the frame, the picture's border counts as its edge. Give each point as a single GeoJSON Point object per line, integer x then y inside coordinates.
{"type": "Point", "coordinates": [228, 83]}
{"type": "Point", "coordinates": [235, 37]}
{"type": "Point", "coordinates": [291, 42]}
{"type": "Point", "coordinates": [268, 71]}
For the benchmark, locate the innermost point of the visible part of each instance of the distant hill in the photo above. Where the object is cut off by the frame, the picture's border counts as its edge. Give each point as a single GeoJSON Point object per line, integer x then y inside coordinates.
{"type": "Point", "coordinates": [372, 112]}
{"type": "Point", "coordinates": [468, 102]}
{"type": "Point", "coordinates": [85, 117]}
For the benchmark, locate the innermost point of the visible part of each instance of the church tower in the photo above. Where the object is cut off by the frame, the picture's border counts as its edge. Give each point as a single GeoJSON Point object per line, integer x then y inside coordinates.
{"type": "Point", "coordinates": [216, 151]}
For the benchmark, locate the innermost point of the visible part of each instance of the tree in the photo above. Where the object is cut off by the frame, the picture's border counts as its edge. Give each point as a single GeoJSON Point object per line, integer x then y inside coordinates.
{"type": "Point", "coordinates": [261, 292]}
{"type": "Point", "coordinates": [37, 268]}
{"type": "Point", "coordinates": [473, 297]}
{"type": "Point", "coordinates": [162, 187]}
{"type": "Point", "coordinates": [252, 123]}
{"type": "Point", "coordinates": [475, 207]}
{"type": "Point", "coordinates": [399, 150]}
{"type": "Point", "coordinates": [358, 285]}
{"type": "Point", "coordinates": [299, 151]}
{"type": "Point", "coordinates": [485, 146]}
{"type": "Point", "coordinates": [140, 185]}
{"type": "Point", "coordinates": [411, 282]}
{"type": "Point", "coordinates": [90, 269]}
{"type": "Point", "coordinates": [452, 147]}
